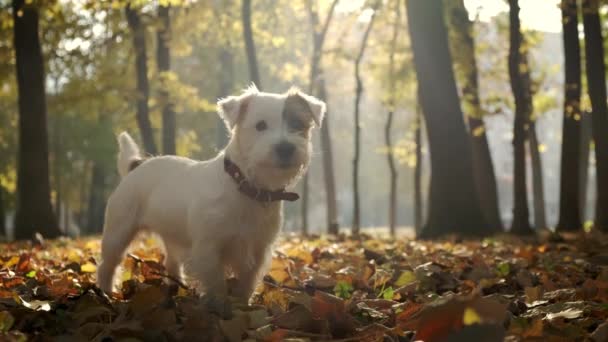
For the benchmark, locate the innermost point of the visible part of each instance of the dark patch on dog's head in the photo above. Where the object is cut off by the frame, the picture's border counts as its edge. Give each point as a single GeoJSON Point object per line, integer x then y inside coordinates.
{"type": "Point", "coordinates": [135, 163]}
{"type": "Point", "coordinates": [296, 113]}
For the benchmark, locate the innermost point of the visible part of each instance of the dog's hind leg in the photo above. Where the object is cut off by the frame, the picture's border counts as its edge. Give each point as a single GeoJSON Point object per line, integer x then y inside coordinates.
{"type": "Point", "coordinates": [119, 229]}
{"type": "Point", "coordinates": [173, 260]}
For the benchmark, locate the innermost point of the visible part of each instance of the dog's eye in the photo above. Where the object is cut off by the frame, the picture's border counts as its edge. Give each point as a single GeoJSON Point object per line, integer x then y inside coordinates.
{"type": "Point", "coordinates": [261, 126]}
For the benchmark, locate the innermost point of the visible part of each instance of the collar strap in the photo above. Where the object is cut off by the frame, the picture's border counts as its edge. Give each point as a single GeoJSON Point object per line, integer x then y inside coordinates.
{"type": "Point", "coordinates": [251, 190]}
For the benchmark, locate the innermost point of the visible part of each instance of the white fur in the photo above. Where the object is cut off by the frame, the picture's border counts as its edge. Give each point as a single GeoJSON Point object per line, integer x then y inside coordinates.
{"type": "Point", "coordinates": [206, 224]}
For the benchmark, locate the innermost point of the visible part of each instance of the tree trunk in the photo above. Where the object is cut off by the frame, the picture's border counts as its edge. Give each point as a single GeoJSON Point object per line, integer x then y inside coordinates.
{"type": "Point", "coordinates": [570, 186]}
{"type": "Point", "coordinates": [483, 169]}
{"type": "Point", "coordinates": [463, 51]}
{"type": "Point", "coordinates": [584, 163]}
{"type": "Point", "coordinates": [226, 77]}
{"type": "Point", "coordinates": [418, 217]}
{"type": "Point", "coordinates": [2, 213]}
{"type": "Point", "coordinates": [304, 205]}
{"type": "Point", "coordinates": [333, 227]}
{"type": "Point", "coordinates": [34, 209]}
{"type": "Point", "coordinates": [143, 88]}
{"type": "Point", "coordinates": [356, 227]}
{"type": "Point", "coordinates": [163, 61]}
{"type": "Point", "coordinates": [317, 85]}
{"type": "Point", "coordinates": [452, 187]}
{"type": "Point", "coordinates": [95, 210]}
{"type": "Point", "coordinates": [523, 103]}
{"type": "Point", "coordinates": [252, 60]}
{"type": "Point", "coordinates": [596, 80]}
{"type": "Point", "coordinates": [540, 217]}
{"type": "Point", "coordinates": [392, 198]}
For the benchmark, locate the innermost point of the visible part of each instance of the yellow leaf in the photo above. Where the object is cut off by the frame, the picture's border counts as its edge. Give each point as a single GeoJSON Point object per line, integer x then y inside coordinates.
{"type": "Point", "coordinates": [74, 256]}
{"type": "Point", "coordinates": [405, 278]}
{"type": "Point", "coordinates": [93, 245]}
{"type": "Point", "coordinates": [126, 275]}
{"type": "Point", "coordinates": [88, 268]}
{"type": "Point", "coordinates": [11, 262]}
{"type": "Point", "coordinates": [470, 317]}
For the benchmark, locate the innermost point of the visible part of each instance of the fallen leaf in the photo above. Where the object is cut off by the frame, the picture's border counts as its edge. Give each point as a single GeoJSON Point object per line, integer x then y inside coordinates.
{"type": "Point", "coordinates": [88, 268]}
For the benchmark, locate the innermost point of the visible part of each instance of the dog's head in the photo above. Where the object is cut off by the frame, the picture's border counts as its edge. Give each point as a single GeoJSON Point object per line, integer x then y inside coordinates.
{"type": "Point", "coordinates": [271, 133]}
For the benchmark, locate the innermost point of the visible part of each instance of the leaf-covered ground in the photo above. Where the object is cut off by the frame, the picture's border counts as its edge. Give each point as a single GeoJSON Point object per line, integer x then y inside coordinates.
{"type": "Point", "coordinates": [320, 289]}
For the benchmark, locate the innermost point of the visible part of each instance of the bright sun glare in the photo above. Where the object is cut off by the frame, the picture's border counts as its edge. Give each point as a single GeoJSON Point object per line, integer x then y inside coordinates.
{"type": "Point", "coordinates": [541, 15]}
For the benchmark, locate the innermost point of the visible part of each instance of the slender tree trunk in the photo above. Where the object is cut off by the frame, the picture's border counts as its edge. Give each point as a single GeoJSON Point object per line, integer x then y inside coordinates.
{"type": "Point", "coordinates": [2, 212]}
{"type": "Point", "coordinates": [226, 77]}
{"type": "Point", "coordinates": [418, 217]}
{"type": "Point", "coordinates": [83, 195]}
{"type": "Point", "coordinates": [95, 212]}
{"type": "Point", "coordinates": [143, 88]}
{"type": "Point", "coordinates": [521, 221]}
{"type": "Point", "coordinates": [392, 199]}
{"type": "Point", "coordinates": [569, 204]}
{"type": "Point", "coordinates": [584, 164]}
{"type": "Point", "coordinates": [56, 147]}
{"type": "Point", "coordinates": [252, 60]}
{"type": "Point", "coordinates": [317, 84]}
{"type": "Point", "coordinates": [540, 218]}
{"type": "Point", "coordinates": [596, 80]}
{"type": "Point", "coordinates": [333, 227]}
{"type": "Point", "coordinates": [463, 51]}
{"type": "Point", "coordinates": [163, 61]}
{"type": "Point", "coordinates": [452, 187]}
{"type": "Point", "coordinates": [34, 209]}
{"type": "Point", "coordinates": [356, 227]}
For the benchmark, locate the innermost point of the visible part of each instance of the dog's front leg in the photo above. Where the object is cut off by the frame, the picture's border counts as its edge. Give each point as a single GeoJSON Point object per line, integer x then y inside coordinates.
{"type": "Point", "coordinates": [248, 271]}
{"type": "Point", "coordinates": [207, 267]}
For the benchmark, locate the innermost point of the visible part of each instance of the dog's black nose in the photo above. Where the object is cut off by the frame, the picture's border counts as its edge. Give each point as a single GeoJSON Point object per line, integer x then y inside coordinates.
{"type": "Point", "coordinates": [285, 151]}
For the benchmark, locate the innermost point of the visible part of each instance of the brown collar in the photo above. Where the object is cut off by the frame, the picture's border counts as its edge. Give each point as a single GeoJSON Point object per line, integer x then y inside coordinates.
{"type": "Point", "coordinates": [251, 191]}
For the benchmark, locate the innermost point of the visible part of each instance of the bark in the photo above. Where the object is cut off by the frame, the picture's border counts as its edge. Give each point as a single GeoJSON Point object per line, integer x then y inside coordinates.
{"type": "Point", "coordinates": [463, 51]}
{"type": "Point", "coordinates": [142, 115]}
{"type": "Point", "coordinates": [452, 188]}
{"type": "Point", "coordinates": [2, 213]}
{"type": "Point", "coordinates": [540, 217]}
{"type": "Point", "coordinates": [570, 185]}
{"type": "Point", "coordinates": [523, 103]}
{"type": "Point", "coordinates": [317, 86]}
{"type": "Point", "coordinates": [83, 195]}
{"type": "Point", "coordinates": [392, 198]}
{"type": "Point", "coordinates": [163, 61]}
{"type": "Point", "coordinates": [333, 227]}
{"type": "Point", "coordinates": [34, 209]}
{"type": "Point", "coordinates": [418, 217]}
{"type": "Point", "coordinates": [95, 210]}
{"type": "Point", "coordinates": [252, 61]}
{"type": "Point", "coordinates": [584, 163]}
{"type": "Point", "coordinates": [358, 92]}
{"type": "Point", "coordinates": [226, 77]}
{"type": "Point", "coordinates": [596, 80]}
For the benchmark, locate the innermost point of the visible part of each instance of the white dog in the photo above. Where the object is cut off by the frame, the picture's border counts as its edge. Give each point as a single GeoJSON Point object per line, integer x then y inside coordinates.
{"type": "Point", "coordinates": [217, 217]}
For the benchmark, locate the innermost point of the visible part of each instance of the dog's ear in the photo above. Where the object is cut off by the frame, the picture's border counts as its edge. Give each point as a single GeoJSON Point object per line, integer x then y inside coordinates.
{"type": "Point", "coordinates": [231, 108]}
{"type": "Point", "coordinates": [317, 108]}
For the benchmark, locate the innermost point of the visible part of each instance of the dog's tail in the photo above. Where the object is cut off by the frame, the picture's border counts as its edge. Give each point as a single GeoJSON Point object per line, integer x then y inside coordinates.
{"type": "Point", "coordinates": [128, 155]}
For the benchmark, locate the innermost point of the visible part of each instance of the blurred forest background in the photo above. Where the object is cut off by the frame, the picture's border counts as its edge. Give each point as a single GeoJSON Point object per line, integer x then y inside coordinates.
{"type": "Point", "coordinates": [526, 75]}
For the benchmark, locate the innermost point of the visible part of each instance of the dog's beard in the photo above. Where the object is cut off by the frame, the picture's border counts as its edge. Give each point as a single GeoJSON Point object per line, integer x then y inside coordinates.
{"type": "Point", "coordinates": [272, 176]}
